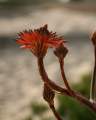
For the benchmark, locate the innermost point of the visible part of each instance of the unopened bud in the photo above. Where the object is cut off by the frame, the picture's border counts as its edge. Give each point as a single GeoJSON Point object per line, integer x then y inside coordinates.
{"type": "Point", "coordinates": [93, 38]}
{"type": "Point", "coordinates": [48, 94]}
{"type": "Point", "coordinates": [61, 51]}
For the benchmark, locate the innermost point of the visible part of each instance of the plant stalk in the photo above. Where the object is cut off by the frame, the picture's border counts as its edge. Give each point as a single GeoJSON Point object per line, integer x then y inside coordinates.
{"type": "Point", "coordinates": [55, 112]}
{"type": "Point", "coordinates": [93, 81]}
{"type": "Point", "coordinates": [61, 61]}
{"type": "Point", "coordinates": [61, 90]}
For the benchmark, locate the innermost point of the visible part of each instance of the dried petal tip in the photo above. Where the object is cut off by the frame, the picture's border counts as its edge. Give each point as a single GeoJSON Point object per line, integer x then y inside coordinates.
{"type": "Point", "coordinates": [93, 38]}
{"type": "Point", "coordinates": [61, 51]}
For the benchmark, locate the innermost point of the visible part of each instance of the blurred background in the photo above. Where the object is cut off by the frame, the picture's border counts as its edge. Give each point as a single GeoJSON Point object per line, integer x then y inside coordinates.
{"type": "Point", "coordinates": [20, 84]}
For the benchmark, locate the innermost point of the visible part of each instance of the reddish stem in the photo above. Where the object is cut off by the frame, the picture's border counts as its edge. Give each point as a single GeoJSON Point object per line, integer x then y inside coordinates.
{"type": "Point", "coordinates": [61, 61]}
{"type": "Point", "coordinates": [61, 90]}
{"type": "Point", "coordinates": [55, 112]}
{"type": "Point", "coordinates": [45, 78]}
{"type": "Point", "coordinates": [93, 82]}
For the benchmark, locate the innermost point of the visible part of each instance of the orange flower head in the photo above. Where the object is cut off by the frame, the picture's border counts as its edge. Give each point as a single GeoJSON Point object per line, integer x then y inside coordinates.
{"type": "Point", "coordinates": [39, 40]}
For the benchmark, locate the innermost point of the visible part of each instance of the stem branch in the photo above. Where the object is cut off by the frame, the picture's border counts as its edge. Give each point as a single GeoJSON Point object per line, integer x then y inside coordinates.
{"type": "Point", "coordinates": [61, 90]}
{"type": "Point", "coordinates": [64, 76]}
{"type": "Point", "coordinates": [93, 81]}
{"type": "Point", "coordinates": [55, 112]}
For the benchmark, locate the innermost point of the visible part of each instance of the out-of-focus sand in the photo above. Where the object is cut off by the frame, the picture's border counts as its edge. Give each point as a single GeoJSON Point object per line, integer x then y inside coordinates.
{"type": "Point", "coordinates": [19, 79]}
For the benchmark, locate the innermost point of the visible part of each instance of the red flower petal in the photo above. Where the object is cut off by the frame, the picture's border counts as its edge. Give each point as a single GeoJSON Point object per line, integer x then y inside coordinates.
{"type": "Point", "coordinates": [39, 40]}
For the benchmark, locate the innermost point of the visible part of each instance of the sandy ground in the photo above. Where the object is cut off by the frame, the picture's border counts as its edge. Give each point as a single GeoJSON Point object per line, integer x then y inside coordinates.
{"type": "Point", "coordinates": [19, 80]}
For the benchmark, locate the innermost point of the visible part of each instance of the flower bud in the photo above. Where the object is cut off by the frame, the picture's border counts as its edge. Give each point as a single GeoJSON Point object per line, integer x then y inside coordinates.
{"type": "Point", "coordinates": [48, 94]}
{"type": "Point", "coordinates": [61, 51]}
{"type": "Point", "coordinates": [93, 38]}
